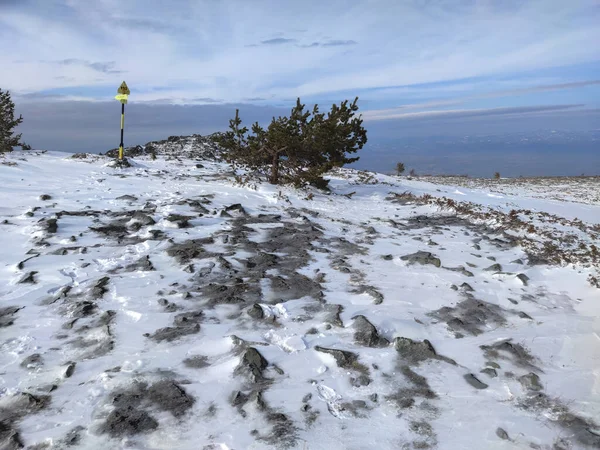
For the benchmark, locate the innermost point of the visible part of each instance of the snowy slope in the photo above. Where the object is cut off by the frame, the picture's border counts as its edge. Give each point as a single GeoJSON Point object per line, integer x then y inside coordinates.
{"type": "Point", "coordinates": [163, 306]}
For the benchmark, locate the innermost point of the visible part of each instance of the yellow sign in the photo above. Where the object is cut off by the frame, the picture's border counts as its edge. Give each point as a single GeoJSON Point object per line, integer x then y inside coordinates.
{"type": "Point", "coordinates": [123, 89]}
{"type": "Point", "coordinates": [122, 98]}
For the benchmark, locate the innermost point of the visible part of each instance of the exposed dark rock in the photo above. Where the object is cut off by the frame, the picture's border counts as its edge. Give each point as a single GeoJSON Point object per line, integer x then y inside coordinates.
{"type": "Point", "coordinates": [192, 249]}
{"type": "Point", "coordinates": [414, 352]}
{"type": "Point", "coordinates": [366, 334]}
{"type": "Point", "coordinates": [252, 364]}
{"type": "Point", "coordinates": [405, 397]}
{"type": "Point", "coordinates": [502, 434]}
{"type": "Point", "coordinates": [143, 218]}
{"type": "Point", "coordinates": [116, 230]}
{"type": "Point", "coordinates": [196, 362]}
{"type": "Point", "coordinates": [294, 286]}
{"type": "Point", "coordinates": [474, 381]}
{"type": "Point", "coordinates": [460, 269]}
{"type": "Point", "coordinates": [219, 294]}
{"type": "Point", "coordinates": [143, 264]}
{"type": "Point", "coordinates": [73, 437]}
{"type": "Point", "coordinates": [127, 197]}
{"type": "Point", "coordinates": [333, 315]}
{"type": "Point", "coordinates": [9, 437]}
{"type": "Point", "coordinates": [494, 268]}
{"type": "Point", "coordinates": [523, 278]}
{"type": "Point", "coordinates": [236, 209]}
{"type": "Point", "coordinates": [179, 219]}
{"type": "Point", "coordinates": [70, 370]}
{"type": "Point", "coordinates": [470, 315]}
{"type": "Point", "coordinates": [371, 291]}
{"type": "Point", "coordinates": [172, 333]}
{"type": "Point", "coordinates": [582, 433]}
{"type": "Point", "coordinates": [169, 306]}
{"type": "Point", "coordinates": [28, 278]}
{"type": "Point", "coordinates": [45, 197]}
{"type": "Point", "coordinates": [422, 258]}
{"type": "Point", "coordinates": [99, 288]}
{"type": "Point", "coordinates": [343, 358]}
{"type": "Point", "coordinates": [83, 309]}
{"type": "Point", "coordinates": [387, 257]}
{"type": "Point", "coordinates": [128, 420]}
{"type": "Point", "coordinates": [507, 350]}
{"type": "Point", "coordinates": [188, 318]}
{"type": "Point", "coordinates": [490, 372]}
{"type": "Point", "coordinates": [256, 311]}
{"type": "Point", "coordinates": [169, 396]}
{"type": "Point", "coordinates": [22, 404]}
{"type": "Point", "coordinates": [49, 225]}
{"type": "Point", "coordinates": [32, 361]}
{"type": "Point", "coordinates": [531, 382]}
{"type": "Point", "coordinates": [466, 287]}
{"type": "Point", "coordinates": [21, 265]}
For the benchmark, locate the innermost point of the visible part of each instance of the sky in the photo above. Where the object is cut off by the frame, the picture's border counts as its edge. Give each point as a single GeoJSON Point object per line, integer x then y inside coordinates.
{"type": "Point", "coordinates": [429, 65]}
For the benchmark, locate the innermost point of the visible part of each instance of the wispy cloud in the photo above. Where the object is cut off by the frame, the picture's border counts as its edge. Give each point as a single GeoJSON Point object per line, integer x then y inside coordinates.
{"type": "Point", "coordinates": [464, 113]}
{"type": "Point", "coordinates": [200, 49]}
{"type": "Point", "coordinates": [107, 67]}
{"type": "Point", "coordinates": [278, 41]}
{"type": "Point", "coordinates": [337, 43]}
{"type": "Point", "coordinates": [329, 43]}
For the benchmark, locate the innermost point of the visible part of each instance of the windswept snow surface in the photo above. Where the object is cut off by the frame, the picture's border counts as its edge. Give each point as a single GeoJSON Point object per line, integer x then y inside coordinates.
{"type": "Point", "coordinates": [163, 306]}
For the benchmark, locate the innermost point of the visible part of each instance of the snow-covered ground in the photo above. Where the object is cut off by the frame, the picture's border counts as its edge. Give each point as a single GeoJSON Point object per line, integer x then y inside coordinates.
{"type": "Point", "coordinates": [163, 306]}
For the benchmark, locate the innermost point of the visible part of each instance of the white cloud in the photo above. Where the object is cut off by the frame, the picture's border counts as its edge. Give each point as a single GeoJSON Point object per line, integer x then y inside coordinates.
{"type": "Point", "coordinates": [474, 112]}
{"type": "Point", "coordinates": [195, 49]}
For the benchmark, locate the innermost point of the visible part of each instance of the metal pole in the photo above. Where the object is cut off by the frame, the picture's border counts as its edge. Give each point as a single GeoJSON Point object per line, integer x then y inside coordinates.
{"type": "Point", "coordinates": [122, 127]}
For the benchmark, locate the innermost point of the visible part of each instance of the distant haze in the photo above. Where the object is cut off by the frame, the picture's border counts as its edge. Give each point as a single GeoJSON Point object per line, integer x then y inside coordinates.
{"type": "Point", "coordinates": [520, 143]}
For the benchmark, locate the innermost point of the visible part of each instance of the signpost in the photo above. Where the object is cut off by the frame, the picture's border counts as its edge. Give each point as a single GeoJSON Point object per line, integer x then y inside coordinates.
{"type": "Point", "coordinates": [122, 95]}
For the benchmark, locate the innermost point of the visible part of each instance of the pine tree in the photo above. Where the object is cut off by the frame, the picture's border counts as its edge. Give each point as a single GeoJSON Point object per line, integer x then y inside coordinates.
{"type": "Point", "coordinates": [299, 148]}
{"type": "Point", "coordinates": [9, 140]}
{"type": "Point", "coordinates": [400, 168]}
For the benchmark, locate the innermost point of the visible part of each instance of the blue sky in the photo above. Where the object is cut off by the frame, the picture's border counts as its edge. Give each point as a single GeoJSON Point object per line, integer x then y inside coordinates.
{"type": "Point", "coordinates": [403, 58]}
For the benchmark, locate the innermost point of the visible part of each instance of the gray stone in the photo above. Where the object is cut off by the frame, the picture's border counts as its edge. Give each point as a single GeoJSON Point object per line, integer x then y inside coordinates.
{"type": "Point", "coordinates": [70, 370]}
{"type": "Point", "coordinates": [143, 218]}
{"type": "Point", "coordinates": [414, 352]}
{"type": "Point", "coordinates": [99, 288]}
{"type": "Point", "coordinates": [172, 333]}
{"type": "Point", "coordinates": [466, 287]}
{"type": "Point", "coordinates": [531, 382]}
{"type": "Point", "coordinates": [343, 358]}
{"type": "Point", "coordinates": [422, 258]}
{"type": "Point", "coordinates": [490, 372]}
{"type": "Point", "coordinates": [474, 381]}
{"type": "Point", "coordinates": [32, 361]}
{"type": "Point", "coordinates": [502, 434]}
{"type": "Point", "coordinates": [29, 278]}
{"type": "Point", "coordinates": [129, 198]}
{"type": "Point", "coordinates": [256, 311]}
{"type": "Point", "coordinates": [252, 364]}
{"type": "Point", "coordinates": [128, 421]}
{"type": "Point", "coordinates": [169, 396]}
{"type": "Point", "coordinates": [494, 268]}
{"type": "Point", "coordinates": [196, 362]}
{"type": "Point", "coordinates": [366, 334]}
{"type": "Point", "coordinates": [50, 225]}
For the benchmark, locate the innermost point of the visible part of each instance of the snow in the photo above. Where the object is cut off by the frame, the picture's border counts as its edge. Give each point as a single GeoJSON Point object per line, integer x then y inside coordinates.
{"type": "Point", "coordinates": [556, 317]}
